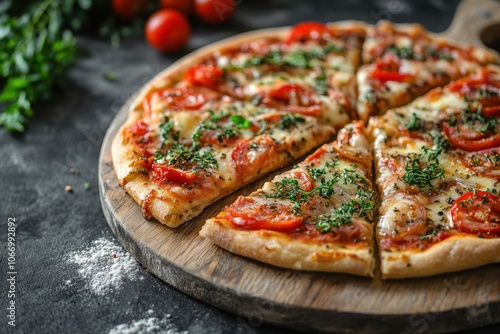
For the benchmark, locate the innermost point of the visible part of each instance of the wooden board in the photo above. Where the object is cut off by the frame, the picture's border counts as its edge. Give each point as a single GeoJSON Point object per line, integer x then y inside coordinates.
{"type": "Point", "coordinates": [299, 300]}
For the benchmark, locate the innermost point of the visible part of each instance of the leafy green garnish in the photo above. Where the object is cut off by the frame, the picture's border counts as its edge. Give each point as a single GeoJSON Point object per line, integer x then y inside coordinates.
{"type": "Point", "coordinates": [414, 123]}
{"type": "Point", "coordinates": [321, 85]}
{"type": "Point", "coordinates": [297, 58]}
{"type": "Point", "coordinates": [240, 121]}
{"type": "Point", "coordinates": [402, 52]}
{"type": "Point", "coordinates": [361, 205]}
{"type": "Point", "coordinates": [289, 120]}
{"type": "Point", "coordinates": [187, 158]}
{"type": "Point", "coordinates": [472, 118]}
{"type": "Point", "coordinates": [422, 169]}
{"type": "Point", "coordinates": [167, 132]}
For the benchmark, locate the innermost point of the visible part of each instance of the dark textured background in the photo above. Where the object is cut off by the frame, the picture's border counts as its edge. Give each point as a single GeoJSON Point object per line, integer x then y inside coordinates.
{"type": "Point", "coordinates": [68, 131]}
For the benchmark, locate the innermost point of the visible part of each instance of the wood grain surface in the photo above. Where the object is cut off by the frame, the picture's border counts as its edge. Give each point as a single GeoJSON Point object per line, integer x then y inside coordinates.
{"type": "Point", "coordinates": [300, 300]}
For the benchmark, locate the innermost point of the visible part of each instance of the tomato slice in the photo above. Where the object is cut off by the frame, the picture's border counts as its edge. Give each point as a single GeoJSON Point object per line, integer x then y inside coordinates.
{"type": "Point", "coordinates": [247, 214]}
{"type": "Point", "coordinates": [316, 155]}
{"type": "Point", "coordinates": [138, 129]}
{"type": "Point", "coordinates": [306, 31]}
{"type": "Point", "coordinates": [384, 76]}
{"type": "Point", "coordinates": [209, 76]}
{"type": "Point", "coordinates": [294, 98]}
{"type": "Point", "coordinates": [305, 181]}
{"type": "Point", "coordinates": [479, 143]}
{"type": "Point", "coordinates": [167, 174]}
{"type": "Point", "coordinates": [177, 99]}
{"type": "Point", "coordinates": [252, 154]}
{"type": "Point", "coordinates": [476, 213]}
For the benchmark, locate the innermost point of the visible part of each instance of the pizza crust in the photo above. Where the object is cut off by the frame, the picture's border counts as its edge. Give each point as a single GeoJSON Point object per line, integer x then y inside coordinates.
{"type": "Point", "coordinates": [452, 254]}
{"type": "Point", "coordinates": [279, 250]}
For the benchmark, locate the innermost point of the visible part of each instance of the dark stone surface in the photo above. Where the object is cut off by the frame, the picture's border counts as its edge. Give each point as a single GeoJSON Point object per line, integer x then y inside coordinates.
{"type": "Point", "coordinates": [67, 132]}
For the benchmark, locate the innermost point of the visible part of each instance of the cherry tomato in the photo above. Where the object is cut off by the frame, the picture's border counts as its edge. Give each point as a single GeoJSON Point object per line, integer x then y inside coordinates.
{"type": "Point", "coordinates": [245, 213]}
{"type": "Point", "coordinates": [294, 98]}
{"type": "Point", "coordinates": [167, 174]}
{"type": "Point", "coordinates": [167, 30]}
{"type": "Point", "coordinates": [477, 213]}
{"type": "Point", "coordinates": [178, 99]}
{"type": "Point", "coordinates": [306, 31]}
{"type": "Point", "coordinates": [183, 6]}
{"type": "Point", "coordinates": [209, 76]}
{"type": "Point", "coordinates": [467, 142]}
{"type": "Point", "coordinates": [129, 9]}
{"type": "Point", "coordinates": [214, 11]}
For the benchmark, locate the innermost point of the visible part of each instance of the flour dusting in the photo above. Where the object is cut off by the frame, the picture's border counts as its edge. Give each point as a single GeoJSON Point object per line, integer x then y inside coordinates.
{"type": "Point", "coordinates": [149, 325]}
{"type": "Point", "coordinates": [104, 266]}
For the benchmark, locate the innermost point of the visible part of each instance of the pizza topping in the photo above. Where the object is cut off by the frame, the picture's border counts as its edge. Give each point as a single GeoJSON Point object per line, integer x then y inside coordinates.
{"type": "Point", "coordinates": [477, 213]}
{"type": "Point", "coordinates": [164, 174]}
{"type": "Point", "coordinates": [209, 76]}
{"type": "Point", "coordinates": [294, 98]}
{"type": "Point", "coordinates": [389, 69]}
{"type": "Point", "coordinates": [187, 158]}
{"type": "Point", "coordinates": [472, 131]}
{"type": "Point", "coordinates": [422, 169]}
{"type": "Point", "coordinates": [248, 213]}
{"type": "Point", "coordinates": [253, 152]}
{"type": "Point", "coordinates": [307, 31]}
{"type": "Point", "coordinates": [177, 99]}
{"type": "Point", "coordinates": [404, 215]}
{"type": "Point", "coordinates": [361, 205]}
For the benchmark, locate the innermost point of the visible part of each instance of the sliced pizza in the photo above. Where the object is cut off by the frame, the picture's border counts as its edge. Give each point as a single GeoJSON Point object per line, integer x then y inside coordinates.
{"type": "Point", "coordinates": [233, 113]}
{"type": "Point", "coordinates": [402, 62]}
{"type": "Point", "coordinates": [438, 170]}
{"type": "Point", "coordinates": [316, 216]}
{"type": "Point", "coordinates": [310, 70]}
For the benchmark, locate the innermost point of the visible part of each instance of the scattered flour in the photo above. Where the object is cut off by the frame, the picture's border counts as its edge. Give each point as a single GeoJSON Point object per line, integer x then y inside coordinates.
{"type": "Point", "coordinates": [104, 266]}
{"type": "Point", "coordinates": [149, 325]}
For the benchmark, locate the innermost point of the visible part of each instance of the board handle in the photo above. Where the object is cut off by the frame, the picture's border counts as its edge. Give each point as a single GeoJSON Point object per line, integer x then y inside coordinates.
{"type": "Point", "coordinates": [476, 22]}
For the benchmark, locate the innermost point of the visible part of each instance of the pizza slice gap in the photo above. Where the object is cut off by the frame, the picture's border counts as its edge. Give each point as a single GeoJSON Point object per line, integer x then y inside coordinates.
{"type": "Point", "coordinates": [437, 162]}
{"type": "Point", "coordinates": [402, 62]}
{"type": "Point", "coordinates": [309, 70]}
{"type": "Point", "coordinates": [183, 147]}
{"type": "Point", "coordinates": [316, 216]}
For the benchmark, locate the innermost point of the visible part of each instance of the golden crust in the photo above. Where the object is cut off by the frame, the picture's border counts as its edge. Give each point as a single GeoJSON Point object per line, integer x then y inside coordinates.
{"type": "Point", "coordinates": [277, 249]}
{"type": "Point", "coordinates": [452, 254]}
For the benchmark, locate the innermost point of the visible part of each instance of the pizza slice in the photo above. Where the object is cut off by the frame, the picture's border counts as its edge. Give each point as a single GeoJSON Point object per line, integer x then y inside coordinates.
{"type": "Point", "coordinates": [309, 70]}
{"type": "Point", "coordinates": [438, 171]}
{"type": "Point", "coordinates": [402, 62]}
{"type": "Point", "coordinates": [316, 216]}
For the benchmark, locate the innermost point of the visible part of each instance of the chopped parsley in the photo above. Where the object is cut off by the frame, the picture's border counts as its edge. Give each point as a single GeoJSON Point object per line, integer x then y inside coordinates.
{"type": "Point", "coordinates": [422, 169]}
{"type": "Point", "coordinates": [297, 58]}
{"type": "Point", "coordinates": [474, 118]}
{"type": "Point", "coordinates": [289, 120]}
{"type": "Point", "coordinates": [225, 130]}
{"type": "Point", "coordinates": [402, 52]}
{"type": "Point", "coordinates": [321, 85]}
{"type": "Point", "coordinates": [183, 157]}
{"type": "Point", "coordinates": [361, 205]}
{"type": "Point", "coordinates": [167, 132]}
{"type": "Point", "coordinates": [414, 123]}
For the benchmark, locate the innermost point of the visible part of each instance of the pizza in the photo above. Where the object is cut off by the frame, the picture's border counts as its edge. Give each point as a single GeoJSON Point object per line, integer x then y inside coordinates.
{"type": "Point", "coordinates": [402, 62]}
{"type": "Point", "coordinates": [315, 216]}
{"type": "Point", "coordinates": [438, 171]}
{"type": "Point", "coordinates": [240, 109]}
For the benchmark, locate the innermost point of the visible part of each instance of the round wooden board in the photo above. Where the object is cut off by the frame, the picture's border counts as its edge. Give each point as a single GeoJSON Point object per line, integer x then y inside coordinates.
{"type": "Point", "coordinates": [299, 300]}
